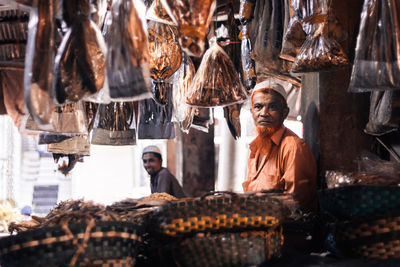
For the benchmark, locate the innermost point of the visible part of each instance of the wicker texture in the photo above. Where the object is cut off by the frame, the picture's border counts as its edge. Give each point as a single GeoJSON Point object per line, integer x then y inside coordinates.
{"type": "Point", "coordinates": [376, 237]}
{"type": "Point", "coordinates": [218, 213]}
{"type": "Point", "coordinates": [229, 249]}
{"type": "Point", "coordinates": [102, 244]}
{"type": "Point", "coordinates": [358, 201]}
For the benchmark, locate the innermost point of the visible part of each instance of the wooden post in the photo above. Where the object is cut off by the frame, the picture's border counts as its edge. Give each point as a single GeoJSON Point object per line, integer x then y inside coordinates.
{"type": "Point", "coordinates": [198, 162]}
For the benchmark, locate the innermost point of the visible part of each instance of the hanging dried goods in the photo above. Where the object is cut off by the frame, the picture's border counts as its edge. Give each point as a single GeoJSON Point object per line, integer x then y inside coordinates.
{"type": "Point", "coordinates": [216, 82]}
{"type": "Point", "coordinates": [40, 60]}
{"type": "Point", "coordinates": [320, 51]}
{"type": "Point", "coordinates": [193, 19]}
{"type": "Point", "coordinates": [115, 124]}
{"type": "Point", "coordinates": [183, 79]}
{"type": "Point", "coordinates": [165, 51]}
{"type": "Point", "coordinates": [376, 62]}
{"type": "Point", "coordinates": [128, 56]}
{"type": "Point", "coordinates": [80, 62]}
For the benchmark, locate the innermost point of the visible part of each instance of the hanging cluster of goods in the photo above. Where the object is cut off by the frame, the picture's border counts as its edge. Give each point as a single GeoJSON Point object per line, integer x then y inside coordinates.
{"type": "Point", "coordinates": [112, 71]}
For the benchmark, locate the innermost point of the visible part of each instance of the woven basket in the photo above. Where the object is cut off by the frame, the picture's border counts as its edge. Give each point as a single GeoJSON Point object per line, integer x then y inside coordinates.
{"type": "Point", "coordinates": [377, 237]}
{"type": "Point", "coordinates": [352, 202]}
{"type": "Point", "coordinates": [219, 229]}
{"type": "Point", "coordinates": [218, 213]}
{"type": "Point", "coordinates": [229, 249]}
{"type": "Point", "coordinates": [104, 244]}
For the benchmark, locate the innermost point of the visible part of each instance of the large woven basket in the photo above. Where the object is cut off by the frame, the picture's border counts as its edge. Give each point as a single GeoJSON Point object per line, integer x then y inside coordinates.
{"type": "Point", "coordinates": [226, 229]}
{"type": "Point", "coordinates": [229, 249]}
{"type": "Point", "coordinates": [218, 213]}
{"type": "Point", "coordinates": [376, 237]}
{"type": "Point", "coordinates": [352, 202]}
{"type": "Point", "coordinates": [103, 244]}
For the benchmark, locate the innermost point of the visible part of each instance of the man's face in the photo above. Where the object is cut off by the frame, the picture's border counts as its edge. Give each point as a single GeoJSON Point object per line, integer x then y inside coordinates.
{"type": "Point", "coordinates": [151, 163]}
{"type": "Point", "coordinates": [268, 113]}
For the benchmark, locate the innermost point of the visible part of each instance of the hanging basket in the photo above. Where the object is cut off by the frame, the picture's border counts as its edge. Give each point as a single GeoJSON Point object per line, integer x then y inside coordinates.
{"type": "Point", "coordinates": [377, 237]}
{"type": "Point", "coordinates": [352, 202]}
{"type": "Point", "coordinates": [106, 243]}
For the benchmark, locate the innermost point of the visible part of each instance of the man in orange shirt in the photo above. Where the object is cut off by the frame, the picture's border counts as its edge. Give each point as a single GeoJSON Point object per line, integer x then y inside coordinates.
{"type": "Point", "coordinates": [279, 159]}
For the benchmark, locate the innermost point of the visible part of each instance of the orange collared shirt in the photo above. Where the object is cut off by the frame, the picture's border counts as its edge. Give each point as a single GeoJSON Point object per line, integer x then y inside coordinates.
{"type": "Point", "coordinates": [287, 164]}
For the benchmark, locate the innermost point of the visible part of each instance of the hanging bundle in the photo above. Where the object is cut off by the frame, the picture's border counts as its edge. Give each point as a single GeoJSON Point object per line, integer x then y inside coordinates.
{"type": "Point", "coordinates": [216, 82]}
{"type": "Point", "coordinates": [39, 61]}
{"type": "Point", "coordinates": [377, 57]}
{"type": "Point", "coordinates": [115, 124]}
{"type": "Point", "coordinates": [193, 19]}
{"type": "Point", "coordinates": [321, 51]}
{"type": "Point", "coordinates": [69, 119]}
{"type": "Point", "coordinates": [294, 36]}
{"type": "Point", "coordinates": [165, 58]}
{"type": "Point", "coordinates": [155, 121]}
{"type": "Point", "coordinates": [248, 63]}
{"type": "Point", "coordinates": [384, 112]}
{"type": "Point", "coordinates": [183, 79]}
{"type": "Point", "coordinates": [80, 62]}
{"type": "Point", "coordinates": [128, 56]}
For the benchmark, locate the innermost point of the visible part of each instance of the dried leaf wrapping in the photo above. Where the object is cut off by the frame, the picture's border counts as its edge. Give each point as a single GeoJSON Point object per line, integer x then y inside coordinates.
{"type": "Point", "coordinates": [115, 124]}
{"type": "Point", "coordinates": [80, 63]}
{"type": "Point", "coordinates": [216, 82]}
{"type": "Point", "coordinates": [377, 57]}
{"type": "Point", "coordinates": [40, 60]}
{"type": "Point", "coordinates": [128, 56]}
{"type": "Point", "coordinates": [193, 19]}
{"type": "Point", "coordinates": [183, 79]}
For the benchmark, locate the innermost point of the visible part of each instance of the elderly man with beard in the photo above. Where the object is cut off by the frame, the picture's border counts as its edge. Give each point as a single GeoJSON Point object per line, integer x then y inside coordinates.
{"type": "Point", "coordinates": [279, 159]}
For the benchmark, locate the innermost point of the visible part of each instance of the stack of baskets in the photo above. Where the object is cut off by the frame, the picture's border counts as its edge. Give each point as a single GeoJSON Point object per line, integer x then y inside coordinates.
{"type": "Point", "coordinates": [368, 219]}
{"type": "Point", "coordinates": [223, 229]}
{"type": "Point", "coordinates": [103, 243]}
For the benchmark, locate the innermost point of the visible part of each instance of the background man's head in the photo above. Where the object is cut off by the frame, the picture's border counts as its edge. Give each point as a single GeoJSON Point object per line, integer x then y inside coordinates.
{"type": "Point", "coordinates": [268, 107]}
{"type": "Point", "coordinates": [152, 160]}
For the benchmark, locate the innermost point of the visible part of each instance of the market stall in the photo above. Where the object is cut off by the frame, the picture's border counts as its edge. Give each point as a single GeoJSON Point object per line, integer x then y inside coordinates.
{"type": "Point", "coordinates": [80, 74]}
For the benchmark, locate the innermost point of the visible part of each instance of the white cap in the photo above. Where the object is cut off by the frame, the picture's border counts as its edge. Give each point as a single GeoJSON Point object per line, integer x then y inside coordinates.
{"type": "Point", "coordinates": [151, 149]}
{"type": "Point", "coordinates": [271, 85]}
